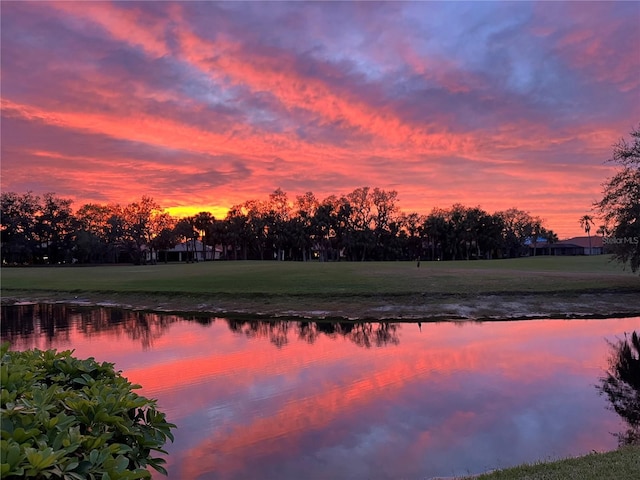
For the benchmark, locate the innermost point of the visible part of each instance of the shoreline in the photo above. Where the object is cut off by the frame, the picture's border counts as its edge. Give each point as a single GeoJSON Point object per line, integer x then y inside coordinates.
{"type": "Point", "coordinates": [408, 308]}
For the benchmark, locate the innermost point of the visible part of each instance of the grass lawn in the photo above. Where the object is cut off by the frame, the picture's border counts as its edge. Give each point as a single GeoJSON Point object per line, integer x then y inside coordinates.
{"type": "Point", "coordinates": [622, 464]}
{"type": "Point", "coordinates": [542, 274]}
{"type": "Point", "coordinates": [342, 288]}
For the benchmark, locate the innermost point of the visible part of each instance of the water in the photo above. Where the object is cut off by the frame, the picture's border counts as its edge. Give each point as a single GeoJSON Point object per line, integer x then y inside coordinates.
{"type": "Point", "coordinates": [290, 400]}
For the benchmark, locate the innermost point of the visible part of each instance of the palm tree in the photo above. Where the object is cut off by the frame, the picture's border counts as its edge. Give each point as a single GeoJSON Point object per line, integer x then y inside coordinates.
{"type": "Point", "coordinates": [602, 230]}
{"type": "Point", "coordinates": [537, 231]}
{"type": "Point", "coordinates": [185, 231]}
{"type": "Point", "coordinates": [585, 222]}
{"type": "Point", "coordinates": [203, 222]}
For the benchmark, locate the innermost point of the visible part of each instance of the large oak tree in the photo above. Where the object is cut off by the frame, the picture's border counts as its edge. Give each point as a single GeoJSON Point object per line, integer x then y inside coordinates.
{"type": "Point", "coordinates": [620, 204]}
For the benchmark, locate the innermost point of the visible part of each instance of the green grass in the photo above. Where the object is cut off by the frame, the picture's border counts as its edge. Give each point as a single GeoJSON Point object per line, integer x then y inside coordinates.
{"type": "Point", "coordinates": [543, 274]}
{"type": "Point", "coordinates": [622, 464]}
{"type": "Point", "coordinates": [463, 289]}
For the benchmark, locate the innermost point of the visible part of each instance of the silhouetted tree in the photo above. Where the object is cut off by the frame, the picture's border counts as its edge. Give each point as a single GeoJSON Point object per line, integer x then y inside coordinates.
{"type": "Point", "coordinates": [185, 232]}
{"type": "Point", "coordinates": [384, 212]}
{"type": "Point", "coordinates": [203, 224]}
{"type": "Point", "coordinates": [116, 232]}
{"type": "Point", "coordinates": [306, 208]}
{"type": "Point", "coordinates": [237, 231]}
{"type": "Point", "coordinates": [621, 385]}
{"type": "Point", "coordinates": [620, 204]}
{"type": "Point", "coordinates": [165, 240]}
{"type": "Point", "coordinates": [411, 224]}
{"type": "Point", "coordinates": [518, 227]}
{"type": "Point", "coordinates": [92, 242]}
{"type": "Point", "coordinates": [258, 226]}
{"type": "Point", "coordinates": [17, 226]}
{"type": "Point", "coordinates": [490, 238]}
{"type": "Point", "coordinates": [585, 223]}
{"type": "Point", "coordinates": [359, 235]}
{"type": "Point", "coordinates": [143, 220]}
{"type": "Point", "coordinates": [277, 214]}
{"type": "Point", "coordinates": [550, 237]}
{"type": "Point", "coordinates": [54, 226]}
{"type": "Point", "coordinates": [435, 230]}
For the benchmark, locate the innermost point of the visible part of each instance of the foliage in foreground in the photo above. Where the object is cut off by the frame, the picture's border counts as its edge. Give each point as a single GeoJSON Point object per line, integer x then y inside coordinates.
{"type": "Point", "coordinates": [74, 419]}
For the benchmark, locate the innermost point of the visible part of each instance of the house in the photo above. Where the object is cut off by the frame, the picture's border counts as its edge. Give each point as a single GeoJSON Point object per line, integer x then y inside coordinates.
{"type": "Point", "coordinates": [190, 251]}
{"type": "Point", "coordinates": [571, 246]}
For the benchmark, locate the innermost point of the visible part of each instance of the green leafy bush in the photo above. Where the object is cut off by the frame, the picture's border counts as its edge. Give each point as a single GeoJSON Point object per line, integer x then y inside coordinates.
{"type": "Point", "coordinates": [65, 418]}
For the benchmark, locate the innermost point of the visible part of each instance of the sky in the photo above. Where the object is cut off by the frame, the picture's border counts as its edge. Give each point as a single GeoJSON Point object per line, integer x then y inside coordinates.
{"type": "Point", "coordinates": [204, 105]}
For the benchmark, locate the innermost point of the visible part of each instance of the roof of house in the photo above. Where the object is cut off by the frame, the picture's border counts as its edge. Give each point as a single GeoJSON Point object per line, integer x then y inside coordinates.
{"type": "Point", "coordinates": [188, 245]}
{"type": "Point", "coordinates": [596, 242]}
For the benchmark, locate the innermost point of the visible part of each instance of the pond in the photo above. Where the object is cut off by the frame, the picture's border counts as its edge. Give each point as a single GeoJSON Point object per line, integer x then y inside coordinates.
{"type": "Point", "coordinates": [287, 399]}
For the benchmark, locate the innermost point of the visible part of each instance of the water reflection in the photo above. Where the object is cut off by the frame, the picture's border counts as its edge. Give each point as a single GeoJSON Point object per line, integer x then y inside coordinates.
{"type": "Point", "coordinates": [363, 334]}
{"type": "Point", "coordinates": [42, 323]}
{"type": "Point", "coordinates": [318, 400]}
{"type": "Point", "coordinates": [621, 385]}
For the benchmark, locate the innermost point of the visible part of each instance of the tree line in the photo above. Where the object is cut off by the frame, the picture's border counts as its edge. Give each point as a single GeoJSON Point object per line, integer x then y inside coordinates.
{"type": "Point", "coordinates": [365, 224]}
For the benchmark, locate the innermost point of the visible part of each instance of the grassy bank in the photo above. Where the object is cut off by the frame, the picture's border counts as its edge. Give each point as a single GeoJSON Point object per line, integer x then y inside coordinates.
{"type": "Point", "coordinates": [474, 289]}
{"type": "Point", "coordinates": [542, 274]}
{"type": "Point", "coordinates": [622, 464]}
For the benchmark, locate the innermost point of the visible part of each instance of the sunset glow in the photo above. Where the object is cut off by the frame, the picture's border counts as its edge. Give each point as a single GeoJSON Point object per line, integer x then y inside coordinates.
{"type": "Point", "coordinates": [204, 105]}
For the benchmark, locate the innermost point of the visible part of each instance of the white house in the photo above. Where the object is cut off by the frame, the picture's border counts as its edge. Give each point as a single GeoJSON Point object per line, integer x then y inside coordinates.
{"type": "Point", "coordinates": [190, 251]}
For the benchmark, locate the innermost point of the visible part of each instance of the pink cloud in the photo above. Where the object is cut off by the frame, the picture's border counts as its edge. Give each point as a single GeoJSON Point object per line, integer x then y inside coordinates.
{"type": "Point", "coordinates": [397, 107]}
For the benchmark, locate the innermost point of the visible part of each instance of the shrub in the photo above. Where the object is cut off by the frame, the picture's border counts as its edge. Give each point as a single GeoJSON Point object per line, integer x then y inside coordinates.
{"type": "Point", "coordinates": [72, 419]}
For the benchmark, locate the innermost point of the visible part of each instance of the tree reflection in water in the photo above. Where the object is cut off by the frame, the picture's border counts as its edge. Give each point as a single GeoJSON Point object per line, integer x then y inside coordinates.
{"type": "Point", "coordinates": [27, 321]}
{"type": "Point", "coordinates": [621, 385]}
{"type": "Point", "coordinates": [363, 334]}
{"type": "Point", "coordinates": [276, 331]}
{"type": "Point", "coordinates": [38, 325]}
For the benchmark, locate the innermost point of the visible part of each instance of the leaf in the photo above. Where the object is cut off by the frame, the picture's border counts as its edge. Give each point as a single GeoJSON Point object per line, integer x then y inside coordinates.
{"type": "Point", "coordinates": [80, 433]}
{"type": "Point", "coordinates": [11, 454]}
{"type": "Point", "coordinates": [122, 462]}
{"type": "Point", "coordinates": [80, 380]}
{"type": "Point", "coordinates": [34, 457]}
{"type": "Point", "coordinates": [139, 473]}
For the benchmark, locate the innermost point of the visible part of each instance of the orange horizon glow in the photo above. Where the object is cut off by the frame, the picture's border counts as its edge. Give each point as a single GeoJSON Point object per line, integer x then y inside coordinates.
{"type": "Point", "coordinates": [203, 107]}
{"type": "Point", "coordinates": [183, 211]}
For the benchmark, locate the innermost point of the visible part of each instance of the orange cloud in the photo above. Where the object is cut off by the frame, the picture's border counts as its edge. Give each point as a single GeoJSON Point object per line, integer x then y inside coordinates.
{"type": "Point", "coordinates": [236, 112]}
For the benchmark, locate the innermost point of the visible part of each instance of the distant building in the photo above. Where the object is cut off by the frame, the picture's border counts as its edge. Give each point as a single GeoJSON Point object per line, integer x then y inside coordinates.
{"type": "Point", "coordinates": [571, 246]}
{"type": "Point", "coordinates": [189, 251]}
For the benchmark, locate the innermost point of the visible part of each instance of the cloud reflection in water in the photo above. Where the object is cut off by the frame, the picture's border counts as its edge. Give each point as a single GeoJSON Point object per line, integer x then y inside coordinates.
{"type": "Point", "coordinates": [316, 400]}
